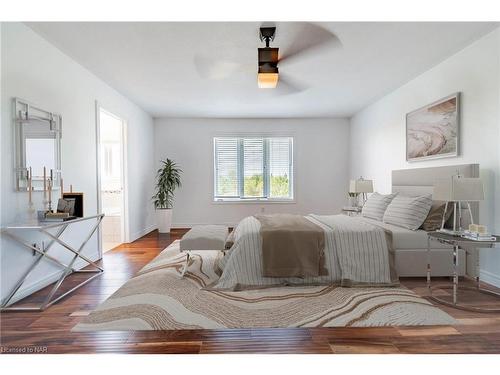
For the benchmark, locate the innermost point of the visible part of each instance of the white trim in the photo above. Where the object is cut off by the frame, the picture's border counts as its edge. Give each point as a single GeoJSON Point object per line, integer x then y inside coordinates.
{"type": "Point", "coordinates": [253, 201]}
{"type": "Point", "coordinates": [136, 235]}
{"type": "Point", "coordinates": [125, 218]}
{"type": "Point", "coordinates": [98, 173]}
{"type": "Point", "coordinates": [29, 289]}
{"type": "Point", "coordinates": [125, 235]}
{"type": "Point", "coordinates": [490, 278]}
{"type": "Point", "coordinates": [36, 286]}
{"type": "Point", "coordinates": [190, 225]}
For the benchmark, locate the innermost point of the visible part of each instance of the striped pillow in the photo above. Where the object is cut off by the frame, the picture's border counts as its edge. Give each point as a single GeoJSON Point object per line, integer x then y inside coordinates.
{"type": "Point", "coordinates": [376, 205]}
{"type": "Point", "coordinates": [408, 212]}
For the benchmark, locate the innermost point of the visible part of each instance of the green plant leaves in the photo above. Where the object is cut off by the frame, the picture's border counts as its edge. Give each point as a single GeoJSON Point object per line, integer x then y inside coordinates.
{"type": "Point", "coordinates": [168, 179]}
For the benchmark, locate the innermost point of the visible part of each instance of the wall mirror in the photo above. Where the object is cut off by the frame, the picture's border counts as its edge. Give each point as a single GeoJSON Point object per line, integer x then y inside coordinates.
{"type": "Point", "coordinates": [38, 146]}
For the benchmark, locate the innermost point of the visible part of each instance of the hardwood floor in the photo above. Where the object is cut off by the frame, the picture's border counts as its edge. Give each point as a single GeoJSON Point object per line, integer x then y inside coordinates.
{"type": "Point", "coordinates": [49, 331]}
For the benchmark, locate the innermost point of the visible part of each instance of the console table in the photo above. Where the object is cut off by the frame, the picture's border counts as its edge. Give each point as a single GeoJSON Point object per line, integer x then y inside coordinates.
{"type": "Point", "coordinates": [67, 269]}
{"type": "Point", "coordinates": [465, 244]}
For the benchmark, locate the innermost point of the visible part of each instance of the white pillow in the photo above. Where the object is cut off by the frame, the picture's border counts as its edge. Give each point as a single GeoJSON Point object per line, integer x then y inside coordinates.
{"type": "Point", "coordinates": [376, 205]}
{"type": "Point", "coordinates": [408, 212]}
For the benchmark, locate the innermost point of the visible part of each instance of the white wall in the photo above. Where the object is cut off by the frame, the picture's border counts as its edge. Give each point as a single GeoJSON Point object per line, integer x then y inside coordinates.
{"type": "Point", "coordinates": [36, 71]}
{"type": "Point", "coordinates": [321, 165]}
{"type": "Point", "coordinates": [378, 131]}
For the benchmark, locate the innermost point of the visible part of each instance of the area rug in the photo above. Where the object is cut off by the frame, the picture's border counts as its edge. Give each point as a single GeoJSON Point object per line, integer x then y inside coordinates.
{"type": "Point", "coordinates": [157, 298]}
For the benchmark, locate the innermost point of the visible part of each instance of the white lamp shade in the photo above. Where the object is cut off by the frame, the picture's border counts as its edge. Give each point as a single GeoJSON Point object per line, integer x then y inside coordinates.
{"type": "Point", "coordinates": [458, 189]}
{"type": "Point", "coordinates": [361, 186]}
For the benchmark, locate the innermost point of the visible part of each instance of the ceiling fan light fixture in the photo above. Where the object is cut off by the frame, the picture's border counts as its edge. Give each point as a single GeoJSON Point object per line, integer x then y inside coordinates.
{"type": "Point", "coordinates": [267, 75]}
{"type": "Point", "coordinates": [267, 80]}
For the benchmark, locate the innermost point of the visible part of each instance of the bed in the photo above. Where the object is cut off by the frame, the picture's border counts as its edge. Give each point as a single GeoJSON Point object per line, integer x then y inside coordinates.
{"type": "Point", "coordinates": [358, 251]}
{"type": "Point", "coordinates": [372, 264]}
{"type": "Point", "coordinates": [410, 252]}
{"type": "Point", "coordinates": [411, 248]}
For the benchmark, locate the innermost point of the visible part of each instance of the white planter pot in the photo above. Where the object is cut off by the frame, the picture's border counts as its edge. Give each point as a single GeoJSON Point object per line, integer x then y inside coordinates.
{"type": "Point", "coordinates": [164, 219]}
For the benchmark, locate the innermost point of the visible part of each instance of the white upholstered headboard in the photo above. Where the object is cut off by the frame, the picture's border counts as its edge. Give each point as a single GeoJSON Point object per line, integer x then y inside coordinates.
{"type": "Point", "coordinates": [420, 181]}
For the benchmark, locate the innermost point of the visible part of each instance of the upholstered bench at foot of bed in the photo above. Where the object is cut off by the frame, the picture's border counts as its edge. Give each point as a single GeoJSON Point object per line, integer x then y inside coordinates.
{"type": "Point", "coordinates": [203, 237]}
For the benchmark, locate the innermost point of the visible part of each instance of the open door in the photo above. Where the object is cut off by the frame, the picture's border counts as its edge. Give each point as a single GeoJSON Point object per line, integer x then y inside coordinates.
{"type": "Point", "coordinates": [111, 179]}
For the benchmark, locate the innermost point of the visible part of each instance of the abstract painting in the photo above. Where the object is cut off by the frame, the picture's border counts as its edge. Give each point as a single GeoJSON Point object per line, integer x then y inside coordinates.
{"type": "Point", "coordinates": [432, 131]}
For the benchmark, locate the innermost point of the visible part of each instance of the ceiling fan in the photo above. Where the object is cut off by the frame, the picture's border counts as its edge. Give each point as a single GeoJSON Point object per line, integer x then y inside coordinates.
{"type": "Point", "coordinates": [268, 74]}
{"type": "Point", "coordinates": [310, 37]}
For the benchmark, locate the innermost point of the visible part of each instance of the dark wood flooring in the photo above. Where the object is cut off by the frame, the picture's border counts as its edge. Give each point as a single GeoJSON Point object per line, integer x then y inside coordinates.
{"type": "Point", "coordinates": [49, 331]}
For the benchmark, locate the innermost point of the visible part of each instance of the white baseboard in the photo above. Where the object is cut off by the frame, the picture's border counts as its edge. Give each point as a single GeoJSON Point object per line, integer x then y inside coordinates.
{"type": "Point", "coordinates": [29, 289]}
{"type": "Point", "coordinates": [143, 232]}
{"type": "Point", "coordinates": [490, 278]}
{"type": "Point", "coordinates": [190, 225]}
{"type": "Point", "coordinates": [34, 287]}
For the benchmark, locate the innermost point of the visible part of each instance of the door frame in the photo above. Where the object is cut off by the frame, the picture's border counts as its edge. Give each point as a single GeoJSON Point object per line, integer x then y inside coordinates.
{"type": "Point", "coordinates": [124, 178]}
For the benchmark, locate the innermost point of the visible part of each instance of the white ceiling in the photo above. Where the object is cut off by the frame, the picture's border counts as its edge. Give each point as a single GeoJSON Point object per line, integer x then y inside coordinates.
{"type": "Point", "coordinates": [154, 64]}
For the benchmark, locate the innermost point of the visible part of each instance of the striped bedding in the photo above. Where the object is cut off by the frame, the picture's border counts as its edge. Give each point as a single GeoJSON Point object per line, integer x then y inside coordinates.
{"type": "Point", "coordinates": [356, 253]}
{"type": "Point", "coordinates": [408, 212]}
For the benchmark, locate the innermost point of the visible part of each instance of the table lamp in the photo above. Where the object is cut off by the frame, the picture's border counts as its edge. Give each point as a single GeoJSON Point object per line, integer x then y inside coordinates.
{"type": "Point", "coordinates": [361, 186]}
{"type": "Point", "coordinates": [457, 190]}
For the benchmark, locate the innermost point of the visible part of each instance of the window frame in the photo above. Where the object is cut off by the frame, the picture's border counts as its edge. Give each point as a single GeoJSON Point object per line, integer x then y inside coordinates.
{"type": "Point", "coordinates": [252, 200]}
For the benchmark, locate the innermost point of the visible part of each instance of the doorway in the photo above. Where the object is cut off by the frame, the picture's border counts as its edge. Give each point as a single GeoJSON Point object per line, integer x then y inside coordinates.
{"type": "Point", "coordinates": [110, 178]}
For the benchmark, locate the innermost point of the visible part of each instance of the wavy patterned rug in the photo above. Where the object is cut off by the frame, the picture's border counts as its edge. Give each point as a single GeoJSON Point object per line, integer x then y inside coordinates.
{"type": "Point", "coordinates": [158, 299]}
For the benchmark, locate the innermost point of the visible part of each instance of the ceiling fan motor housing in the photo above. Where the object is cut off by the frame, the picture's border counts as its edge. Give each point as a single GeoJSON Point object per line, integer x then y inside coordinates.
{"type": "Point", "coordinates": [267, 78]}
{"type": "Point", "coordinates": [268, 60]}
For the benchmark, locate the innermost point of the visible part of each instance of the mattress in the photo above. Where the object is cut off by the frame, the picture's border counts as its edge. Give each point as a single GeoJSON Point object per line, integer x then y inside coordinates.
{"type": "Point", "coordinates": [403, 238]}
{"type": "Point", "coordinates": [410, 247]}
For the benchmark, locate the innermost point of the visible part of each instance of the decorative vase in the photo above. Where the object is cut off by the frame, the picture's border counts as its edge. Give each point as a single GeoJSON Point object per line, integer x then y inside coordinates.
{"type": "Point", "coordinates": [164, 219]}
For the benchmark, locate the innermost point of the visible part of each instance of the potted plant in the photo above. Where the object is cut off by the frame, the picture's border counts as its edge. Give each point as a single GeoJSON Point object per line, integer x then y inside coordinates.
{"type": "Point", "coordinates": [168, 179]}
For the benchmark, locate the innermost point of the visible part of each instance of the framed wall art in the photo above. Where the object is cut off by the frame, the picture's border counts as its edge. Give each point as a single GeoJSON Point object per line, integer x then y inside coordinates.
{"type": "Point", "coordinates": [433, 131]}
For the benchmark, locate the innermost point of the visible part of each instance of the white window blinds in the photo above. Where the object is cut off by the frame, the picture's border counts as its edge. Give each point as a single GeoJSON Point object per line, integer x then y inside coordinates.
{"type": "Point", "coordinates": [253, 168]}
{"type": "Point", "coordinates": [226, 167]}
{"type": "Point", "coordinates": [279, 167]}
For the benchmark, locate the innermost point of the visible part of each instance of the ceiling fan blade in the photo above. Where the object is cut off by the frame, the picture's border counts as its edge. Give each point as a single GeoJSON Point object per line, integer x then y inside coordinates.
{"type": "Point", "coordinates": [208, 68]}
{"type": "Point", "coordinates": [288, 85]}
{"type": "Point", "coordinates": [309, 38]}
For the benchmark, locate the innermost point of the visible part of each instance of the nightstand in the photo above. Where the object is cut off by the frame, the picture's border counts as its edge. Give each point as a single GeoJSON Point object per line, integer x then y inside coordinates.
{"type": "Point", "coordinates": [351, 211]}
{"type": "Point", "coordinates": [467, 245]}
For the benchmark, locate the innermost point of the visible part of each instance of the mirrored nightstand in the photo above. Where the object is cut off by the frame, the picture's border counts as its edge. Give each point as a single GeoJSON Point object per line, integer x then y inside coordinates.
{"type": "Point", "coordinates": [467, 245]}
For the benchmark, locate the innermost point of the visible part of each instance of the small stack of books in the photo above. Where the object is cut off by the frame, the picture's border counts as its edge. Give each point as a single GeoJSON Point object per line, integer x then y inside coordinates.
{"type": "Point", "coordinates": [352, 208]}
{"type": "Point", "coordinates": [475, 236]}
{"type": "Point", "coordinates": [54, 216]}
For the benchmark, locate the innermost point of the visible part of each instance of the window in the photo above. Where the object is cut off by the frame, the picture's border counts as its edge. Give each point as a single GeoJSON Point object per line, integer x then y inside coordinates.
{"type": "Point", "coordinates": [253, 168]}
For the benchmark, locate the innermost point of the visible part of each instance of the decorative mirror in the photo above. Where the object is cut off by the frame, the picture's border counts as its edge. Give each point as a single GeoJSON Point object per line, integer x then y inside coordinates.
{"type": "Point", "coordinates": [38, 146]}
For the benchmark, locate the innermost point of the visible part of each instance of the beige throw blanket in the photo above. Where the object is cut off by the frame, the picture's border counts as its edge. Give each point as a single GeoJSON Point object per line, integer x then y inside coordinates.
{"type": "Point", "coordinates": [292, 246]}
